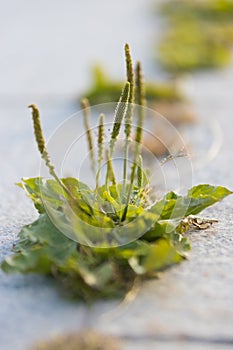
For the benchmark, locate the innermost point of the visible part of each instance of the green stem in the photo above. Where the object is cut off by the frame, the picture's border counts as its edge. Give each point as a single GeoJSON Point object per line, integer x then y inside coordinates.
{"type": "Point", "coordinates": [110, 171]}
{"type": "Point", "coordinates": [45, 155]}
{"type": "Point", "coordinates": [140, 99]}
{"type": "Point", "coordinates": [126, 156]}
{"type": "Point", "coordinates": [129, 113]}
{"type": "Point", "coordinates": [86, 111]}
{"type": "Point", "coordinates": [42, 147]}
{"type": "Point", "coordinates": [140, 172]}
{"type": "Point", "coordinates": [120, 112]}
{"type": "Point", "coordinates": [100, 146]}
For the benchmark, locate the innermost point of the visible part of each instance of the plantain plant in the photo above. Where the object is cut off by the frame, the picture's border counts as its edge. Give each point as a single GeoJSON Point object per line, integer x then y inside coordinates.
{"type": "Point", "coordinates": [119, 235]}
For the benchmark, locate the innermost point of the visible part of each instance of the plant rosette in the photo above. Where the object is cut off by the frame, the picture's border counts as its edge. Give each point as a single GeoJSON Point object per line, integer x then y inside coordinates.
{"type": "Point", "coordinates": [98, 240]}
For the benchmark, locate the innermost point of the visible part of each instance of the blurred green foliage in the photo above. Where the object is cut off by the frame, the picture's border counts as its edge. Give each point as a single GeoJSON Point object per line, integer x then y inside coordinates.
{"type": "Point", "coordinates": [199, 34]}
{"type": "Point", "coordinates": [106, 90]}
{"type": "Point", "coordinates": [198, 9]}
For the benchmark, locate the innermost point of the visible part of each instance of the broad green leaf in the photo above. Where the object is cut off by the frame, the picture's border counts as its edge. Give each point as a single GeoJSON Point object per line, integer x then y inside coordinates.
{"type": "Point", "coordinates": [203, 196]}
{"type": "Point", "coordinates": [40, 244]}
{"type": "Point", "coordinates": [27, 261]}
{"type": "Point", "coordinates": [161, 228]}
{"type": "Point", "coordinates": [32, 188]}
{"type": "Point", "coordinates": [198, 198]}
{"type": "Point", "coordinates": [160, 255]}
{"type": "Point", "coordinates": [136, 248]}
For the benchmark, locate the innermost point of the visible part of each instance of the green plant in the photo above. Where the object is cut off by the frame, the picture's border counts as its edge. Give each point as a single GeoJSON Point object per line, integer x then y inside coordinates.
{"type": "Point", "coordinates": [105, 262]}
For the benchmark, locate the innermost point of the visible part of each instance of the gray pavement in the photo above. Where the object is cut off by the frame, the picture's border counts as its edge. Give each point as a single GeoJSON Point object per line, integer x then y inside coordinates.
{"type": "Point", "coordinates": [46, 52]}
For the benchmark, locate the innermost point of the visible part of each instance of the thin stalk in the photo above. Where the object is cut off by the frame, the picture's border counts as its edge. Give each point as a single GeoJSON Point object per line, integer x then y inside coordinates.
{"type": "Point", "coordinates": [140, 99]}
{"type": "Point", "coordinates": [120, 112]}
{"type": "Point", "coordinates": [140, 172]}
{"type": "Point", "coordinates": [100, 146]}
{"type": "Point", "coordinates": [45, 156]}
{"type": "Point", "coordinates": [110, 171]}
{"type": "Point", "coordinates": [86, 112]}
{"type": "Point", "coordinates": [129, 72]}
{"type": "Point", "coordinates": [42, 147]}
{"type": "Point", "coordinates": [129, 113]}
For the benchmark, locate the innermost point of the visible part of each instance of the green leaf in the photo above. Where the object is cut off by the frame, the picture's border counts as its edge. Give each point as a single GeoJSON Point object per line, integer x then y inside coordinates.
{"type": "Point", "coordinates": [203, 196]}
{"type": "Point", "coordinates": [31, 260]}
{"type": "Point", "coordinates": [40, 245]}
{"type": "Point", "coordinates": [160, 255]}
{"type": "Point", "coordinates": [160, 229]}
{"type": "Point", "coordinates": [49, 191]}
{"type": "Point", "coordinates": [198, 198]}
{"type": "Point", "coordinates": [32, 188]}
